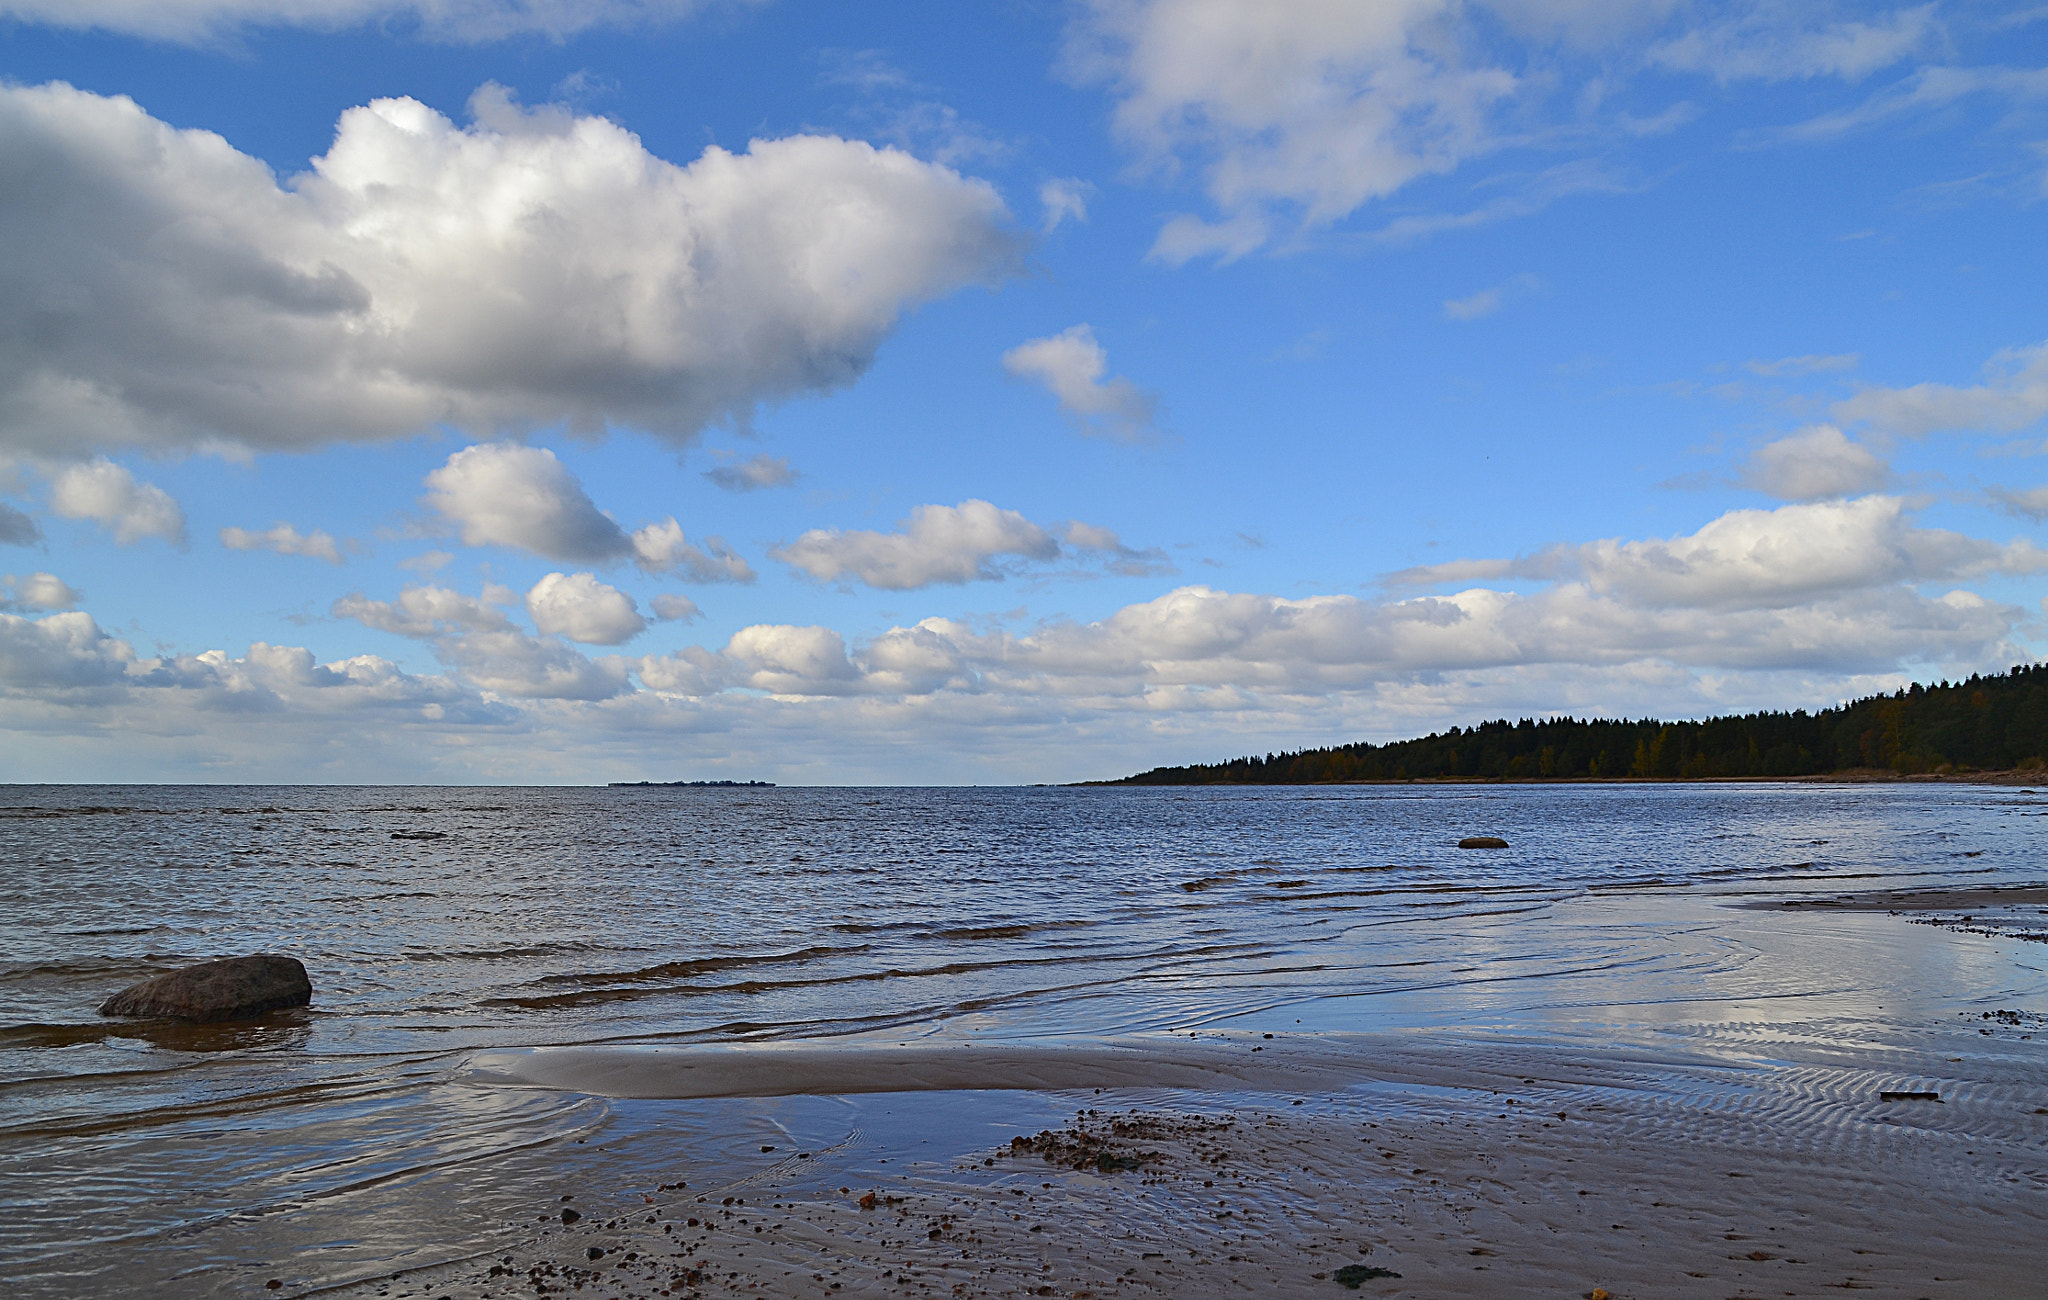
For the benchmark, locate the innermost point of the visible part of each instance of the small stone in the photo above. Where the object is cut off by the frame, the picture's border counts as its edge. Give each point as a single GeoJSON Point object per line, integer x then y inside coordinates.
{"type": "Point", "coordinates": [570, 1216]}
{"type": "Point", "coordinates": [1482, 842]}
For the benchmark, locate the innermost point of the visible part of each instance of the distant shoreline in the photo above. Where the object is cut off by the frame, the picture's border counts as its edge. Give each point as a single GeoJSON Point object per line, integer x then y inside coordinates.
{"type": "Point", "coordinates": [1855, 776]}
{"type": "Point", "coordinates": [697, 785]}
{"type": "Point", "coordinates": [1982, 725]}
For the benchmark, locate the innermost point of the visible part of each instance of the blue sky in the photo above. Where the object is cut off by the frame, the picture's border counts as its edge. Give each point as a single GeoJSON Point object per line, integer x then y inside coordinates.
{"type": "Point", "coordinates": [570, 390]}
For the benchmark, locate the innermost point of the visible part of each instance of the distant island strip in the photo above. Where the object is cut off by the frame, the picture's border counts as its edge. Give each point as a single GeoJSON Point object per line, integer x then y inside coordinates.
{"type": "Point", "coordinates": [1984, 725]}
{"type": "Point", "coordinates": [721, 785]}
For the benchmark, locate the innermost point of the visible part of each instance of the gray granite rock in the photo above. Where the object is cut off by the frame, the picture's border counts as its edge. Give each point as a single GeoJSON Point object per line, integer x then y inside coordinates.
{"type": "Point", "coordinates": [234, 988]}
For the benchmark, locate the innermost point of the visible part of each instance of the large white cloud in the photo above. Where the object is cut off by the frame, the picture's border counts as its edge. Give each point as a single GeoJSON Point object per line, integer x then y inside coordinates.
{"type": "Point", "coordinates": [112, 497]}
{"type": "Point", "coordinates": [1071, 365]}
{"type": "Point", "coordinates": [532, 269]}
{"type": "Point", "coordinates": [938, 544]}
{"type": "Point", "coordinates": [500, 494]}
{"type": "Point", "coordinates": [464, 20]}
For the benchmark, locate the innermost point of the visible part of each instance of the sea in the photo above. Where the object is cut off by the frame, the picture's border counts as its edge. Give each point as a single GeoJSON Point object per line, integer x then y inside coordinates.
{"type": "Point", "coordinates": [352, 1139]}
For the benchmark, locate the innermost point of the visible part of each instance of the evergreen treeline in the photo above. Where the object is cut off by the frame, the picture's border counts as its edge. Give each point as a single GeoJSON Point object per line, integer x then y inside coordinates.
{"type": "Point", "coordinates": [1985, 723]}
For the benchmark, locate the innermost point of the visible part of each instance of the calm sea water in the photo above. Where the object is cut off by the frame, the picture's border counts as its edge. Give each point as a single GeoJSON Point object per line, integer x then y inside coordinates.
{"type": "Point", "coordinates": [438, 921]}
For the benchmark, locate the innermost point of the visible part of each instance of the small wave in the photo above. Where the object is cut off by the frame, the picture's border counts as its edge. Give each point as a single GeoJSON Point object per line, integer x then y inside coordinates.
{"type": "Point", "coordinates": [988, 932]}
{"type": "Point", "coordinates": [594, 997]}
{"type": "Point", "coordinates": [698, 966]}
{"type": "Point", "coordinates": [88, 968]}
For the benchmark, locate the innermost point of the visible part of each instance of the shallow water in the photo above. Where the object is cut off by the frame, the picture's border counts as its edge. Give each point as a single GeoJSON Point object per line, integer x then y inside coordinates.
{"type": "Point", "coordinates": [439, 921]}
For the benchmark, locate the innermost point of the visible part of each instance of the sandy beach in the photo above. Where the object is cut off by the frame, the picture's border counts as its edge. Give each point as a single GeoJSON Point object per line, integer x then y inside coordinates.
{"type": "Point", "coordinates": [1316, 1164]}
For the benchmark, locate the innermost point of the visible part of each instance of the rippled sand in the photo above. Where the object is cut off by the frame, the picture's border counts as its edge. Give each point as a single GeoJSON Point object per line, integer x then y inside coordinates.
{"type": "Point", "coordinates": [1472, 1169]}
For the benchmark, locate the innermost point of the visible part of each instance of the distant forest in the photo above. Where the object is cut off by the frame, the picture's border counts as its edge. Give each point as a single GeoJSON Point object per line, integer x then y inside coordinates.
{"type": "Point", "coordinates": [1986, 723]}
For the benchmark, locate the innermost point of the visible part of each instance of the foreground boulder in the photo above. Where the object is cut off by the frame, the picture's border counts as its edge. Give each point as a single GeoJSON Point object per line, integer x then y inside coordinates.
{"type": "Point", "coordinates": [234, 988]}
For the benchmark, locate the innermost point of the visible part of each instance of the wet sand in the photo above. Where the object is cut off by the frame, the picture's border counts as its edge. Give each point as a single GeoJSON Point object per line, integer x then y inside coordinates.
{"type": "Point", "coordinates": [1997, 912]}
{"type": "Point", "coordinates": [1925, 900]}
{"type": "Point", "coordinates": [1484, 1168]}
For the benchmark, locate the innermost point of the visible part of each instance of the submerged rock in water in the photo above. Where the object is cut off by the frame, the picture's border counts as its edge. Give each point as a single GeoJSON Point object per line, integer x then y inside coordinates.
{"type": "Point", "coordinates": [234, 988]}
{"type": "Point", "coordinates": [1482, 842]}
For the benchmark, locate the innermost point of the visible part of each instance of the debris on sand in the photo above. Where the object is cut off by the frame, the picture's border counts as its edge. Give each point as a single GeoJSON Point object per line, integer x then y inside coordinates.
{"type": "Point", "coordinates": [1104, 1152]}
{"type": "Point", "coordinates": [1355, 1275]}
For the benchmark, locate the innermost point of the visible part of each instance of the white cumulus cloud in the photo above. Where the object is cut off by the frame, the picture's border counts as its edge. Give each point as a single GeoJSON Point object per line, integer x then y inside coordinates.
{"type": "Point", "coordinates": [675, 608]}
{"type": "Point", "coordinates": [475, 637]}
{"type": "Point", "coordinates": [662, 548]}
{"type": "Point", "coordinates": [37, 591]}
{"type": "Point", "coordinates": [1071, 365]}
{"type": "Point", "coordinates": [285, 540]}
{"type": "Point", "coordinates": [1816, 462]}
{"type": "Point", "coordinates": [501, 494]}
{"type": "Point", "coordinates": [1130, 561]}
{"type": "Point", "coordinates": [532, 269]}
{"type": "Point", "coordinates": [577, 607]}
{"type": "Point", "coordinates": [1762, 559]}
{"type": "Point", "coordinates": [785, 660]}
{"type": "Point", "coordinates": [430, 611]}
{"type": "Point", "coordinates": [938, 544]}
{"type": "Point", "coordinates": [115, 499]}
{"type": "Point", "coordinates": [505, 495]}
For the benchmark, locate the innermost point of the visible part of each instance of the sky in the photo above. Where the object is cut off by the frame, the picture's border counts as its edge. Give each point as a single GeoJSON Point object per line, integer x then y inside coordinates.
{"type": "Point", "coordinates": [991, 391]}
